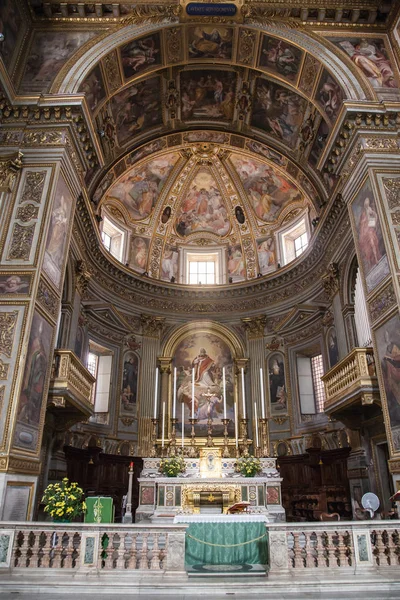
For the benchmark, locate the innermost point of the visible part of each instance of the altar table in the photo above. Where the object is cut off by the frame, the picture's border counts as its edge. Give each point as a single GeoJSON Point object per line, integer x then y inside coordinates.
{"type": "Point", "coordinates": [225, 539]}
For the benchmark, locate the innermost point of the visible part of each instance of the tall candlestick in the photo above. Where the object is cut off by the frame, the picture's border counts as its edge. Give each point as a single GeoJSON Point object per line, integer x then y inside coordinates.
{"type": "Point", "coordinates": [155, 395]}
{"type": "Point", "coordinates": [163, 425]}
{"type": "Point", "coordinates": [224, 389]}
{"type": "Point", "coordinates": [243, 395]}
{"type": "Point", "coordinates": [236, 426]}
{"type": "Point", "coordinates": [256, 422]}
{"type": "Point", "coordinates": [183, 424]}
{"type": "Point", "coordinates": [193, 393]}
{"type": "Point", "coordinates": [174, 405]}
{"type": "Point", "coordinates": [262, 394]}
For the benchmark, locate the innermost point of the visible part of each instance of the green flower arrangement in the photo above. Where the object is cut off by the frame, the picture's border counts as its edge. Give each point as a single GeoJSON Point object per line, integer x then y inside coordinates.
{"type": "Point", "coordinates": [248, 466]}
{"type": "Point", "coordinates": [64, 501]}
{"type": "Point", "coordinates": [171, 467]}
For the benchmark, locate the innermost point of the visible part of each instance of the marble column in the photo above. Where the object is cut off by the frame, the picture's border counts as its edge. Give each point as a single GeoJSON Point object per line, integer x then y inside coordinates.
{"type": "Point", "coordinates": [165, 395]}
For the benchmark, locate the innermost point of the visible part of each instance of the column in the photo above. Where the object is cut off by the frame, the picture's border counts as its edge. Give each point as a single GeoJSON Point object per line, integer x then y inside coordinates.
{"type": "Point", "coordinates": [165, 396]}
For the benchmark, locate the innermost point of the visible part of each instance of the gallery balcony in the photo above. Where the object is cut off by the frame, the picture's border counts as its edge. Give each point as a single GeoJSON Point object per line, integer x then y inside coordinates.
{"type": "Point", "coordinates": [70, 390]}
{"type": "Point", "coordinates": [351, 387]}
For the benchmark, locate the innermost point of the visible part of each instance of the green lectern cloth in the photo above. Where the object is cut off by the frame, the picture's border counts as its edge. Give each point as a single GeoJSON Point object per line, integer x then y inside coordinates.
{"type": "Point", "coordinates": [99, 510]}
{"type": "Point", "coordinates": [226, 544]}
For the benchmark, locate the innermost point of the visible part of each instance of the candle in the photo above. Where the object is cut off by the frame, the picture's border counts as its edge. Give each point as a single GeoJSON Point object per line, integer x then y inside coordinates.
{"type": "Point", "coordinates": [155, 395]}
{"type": "Point", "coordinates": [131, 465]}
{"type": "Point", "coordinates": [236, 426]}
{"type": "Point", "coordinates": [183, 423]}
{"type": "Point", "coordinates": [174, 406]}
{"type": "Point", "coordinates": [256, 422]}
{"type": "Point", "coordinates": [224, 388]}
{"type": "Point", "coordinates": [193, 393]}
{"type": "Point", "coordinates": [243, 395]}
{"type": "Point", "coordinates": [163, 425]}
{"type": "Point", "coordinates": [262, 394]}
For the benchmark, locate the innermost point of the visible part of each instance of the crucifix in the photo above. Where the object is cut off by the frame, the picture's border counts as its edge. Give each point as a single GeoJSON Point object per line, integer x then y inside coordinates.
{"type": "Point", "coordinates": [208, 395]}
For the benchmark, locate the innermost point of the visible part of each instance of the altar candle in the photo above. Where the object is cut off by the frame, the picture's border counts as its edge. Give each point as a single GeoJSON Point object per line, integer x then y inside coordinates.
{"type": "Point", "coordinates": [183, 423]}
{"type": "Point", "coordinates": [174, 406]}
{"type": "Point", "coordinates": [193, 393]}
{"type": "Point", "coordinates": [243, 396]}
{"type": "Point", "coordinates": [236, 426]}
{"type": "Point", "coordinates": [262, 394]}
{"type": "Point", "coordinates": [155, 395]}
{"type": "Point", "coordinates": [256, 422]}
{"type": "Point", "coordinates": [163, 425]}
{"type": "Point", "coordinates": [224, 388]}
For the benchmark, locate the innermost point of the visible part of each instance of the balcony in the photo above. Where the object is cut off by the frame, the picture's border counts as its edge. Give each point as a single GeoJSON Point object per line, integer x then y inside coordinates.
{"type": "Point", "coordinates": [70, 390]}
{"type": "Point", "coordinates": [352, 384]}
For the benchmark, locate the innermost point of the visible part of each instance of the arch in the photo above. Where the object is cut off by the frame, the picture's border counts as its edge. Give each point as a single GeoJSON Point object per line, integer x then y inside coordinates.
{"type": "Point", "coordinates": [211, 327]}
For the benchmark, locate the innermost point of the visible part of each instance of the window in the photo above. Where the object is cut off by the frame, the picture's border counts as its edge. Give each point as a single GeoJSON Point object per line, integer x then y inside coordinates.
{"type": "Point", "coordinates": [294, 241]}
{"type": "Point", "coordinates": [202, 272]}
{"type": "Point", "coordinates": [311, 388]}
{"type": "Point", "coordinates": [99, 364]}
{"type": "Point", "coordinates": [300, 244]}
{"type": "Point", "coordinates": [113, 239]}
{"type": "Point", "coordinates": [317, 368]}
{"type": "Point", "coordinates": [106, 240]}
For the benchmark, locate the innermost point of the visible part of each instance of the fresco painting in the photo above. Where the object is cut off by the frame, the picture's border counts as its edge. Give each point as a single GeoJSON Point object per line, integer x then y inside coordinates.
{"type": "Point", "coordinates": [169, 263]}
{"type": "Point", "coordinates": [57, 236]}
{"type": "Point", "coordinates": [371, 246]}
{"type": "Point", "coordinates": [48, 54]}
{"type": "Point", "coordinates": [93, 88]}
{"type": "Point", "coordinates": [278, 111]}
{"type": "Point", "coordinates": [266, 152]}
{"type": "Point", "coordinates": [129, 382]}
{"type": "Point", "coordinates": [208, 354]}
{"type": "Point", "coordinates": [280, 57]}
{"type": "Point", "coordinates": [268, 191]}
{"type": "Point", "coordinates": [139, 253]}
{"type": "Point", "coordinates": [137, 107]}
{"type": "Point", "coordinates": [10, 26]}
{"type": "Point", "coordinates": [333, 350]}
{"type": "Point", "coordinates": [236, 266]}
{"type": "Point", "coordinates": [140, 187]}
{"type": "Point", "coordinates": [208, 41]}
{"type": "Point", "coordinates": [206, 136]}
{"type": "Point", "coordinates": [319, 143]}
{"type": "Point", "coordinates": [371, 58]}
{"type": "Point", "coordinates": [277, 385]}
{"type": "Point", "coordinates": [388, 346]}
{"type": "Point", "coordinates": [141, 54]}
{"type": "Point", "coordinates": [329, 95]}
{"type": "Point", "coordinates": [266, 255]}
{"type": "Point", "coordinates": [208, 94]}
{"type": "Point", "coordinates": [202, 207]}
{"type": "Point", "coordinates": [15, 284]}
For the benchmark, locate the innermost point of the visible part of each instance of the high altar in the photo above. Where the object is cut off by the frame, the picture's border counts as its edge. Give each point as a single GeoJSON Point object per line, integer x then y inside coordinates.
{"type": "Point", "coordinates": [210, 484]}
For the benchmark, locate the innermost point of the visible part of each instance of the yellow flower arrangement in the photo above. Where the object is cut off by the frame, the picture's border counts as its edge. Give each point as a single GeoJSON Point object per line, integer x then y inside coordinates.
{"type": "Point", "coordinates": [171, 467]}
{"type": "Point", "coordinates": [64, 501]}
{"type": "Point", "coordinates": [248, 466]}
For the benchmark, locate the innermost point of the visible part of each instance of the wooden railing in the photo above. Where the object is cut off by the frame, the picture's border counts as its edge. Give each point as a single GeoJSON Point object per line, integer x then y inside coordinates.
{"type": "Point", "coordinates": [352, 378]}
{"type": "Point", "coordinates": [71, 382]}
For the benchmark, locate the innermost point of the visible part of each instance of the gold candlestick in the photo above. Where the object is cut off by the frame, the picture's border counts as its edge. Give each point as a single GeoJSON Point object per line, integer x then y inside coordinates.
{"type": "Point", "coordinates": [153, 452]}
{"type": "Point", "coordinates": [264, 438]}
{"type": "Point", "coordinates": [172, 441]}
{"type": "Point", "coordinates": [245, 440]}
{"type": "Point", "coordinates": [192, 450]}
{"type": "Point", "coordinates": [226, 453]}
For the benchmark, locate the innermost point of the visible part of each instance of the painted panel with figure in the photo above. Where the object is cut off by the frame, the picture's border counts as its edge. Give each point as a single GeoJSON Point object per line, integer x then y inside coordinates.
{"type": "Point", "coordinates": [140, 187]}
{"type": "Point", "coordinates": [141, 54]}
{"type": "Point", "coordinates": [129, 382]}
{"type": "Point", "coordinates": [207, 354]}
{"type": "Point", "coordinates": [329, 95]}
{"type": "Point", "coordinates": [169, 263]}
{"type": "Point", "coordinates": [268, 190]}
{"type": "Point", "coordinates": [278, 111]}
{"type": "Point", "coordinates": [93, 88]}
{"type": "Point", "coordinates": [15, 284]}
{"type": "Point", "coordinates": [137, 107]}
{"type": "Point", "coordinates": [371, 246]}
{"type": "Point", "coordinates": [371, 58]}
{"type": "Point", "coordinates": [280, 57]}
{"type": "Point", "coordinates": [202, 207]}
{"type": "Point", "coordinates": [277, 385]}
{"type": "Point", "coordinates": [48, 54]}
{"type": "Point", "coordinates": [57, 236]}
{"type": "Point", "coordinates": [10, 27]}
{"type": "Point", "coordinates": [388, 345]}
{"type": "Point", "coordinates": [333, 349]}
{"type": "Point", "coordinates": [139, 253]}
{"type": "Point", "coordinates": [208, 94]}
{"type": "Point", "coordinates": [236, 266]}
{"type": "Point", "coordinates": [266, 255]}
{"type": "Point", "coordinates": [208, 41]}
{"type": "Point", "coordinates": [33, 383]}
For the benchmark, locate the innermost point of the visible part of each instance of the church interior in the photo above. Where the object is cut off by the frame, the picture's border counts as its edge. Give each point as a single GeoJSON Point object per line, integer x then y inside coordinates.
{"type": "Point", "coordinates": [200, 260]}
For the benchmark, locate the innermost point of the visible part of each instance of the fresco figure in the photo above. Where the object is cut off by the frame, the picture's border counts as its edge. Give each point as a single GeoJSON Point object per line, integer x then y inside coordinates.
{"type": "Point", "coordinates": [140, 54]}
{"type": "Point", "coordinates": [277, 388]}
{"type": "Point", "coordinates": [280, 57]}
{"type": "Point", "coordinates": [368, 237]}
{"type": "Point", "coordinates": [210, 42]}
{"type": "Point", "coordinates": [208, 94]}
{"type": "Point", "coordinates": [93, 88]}
{"type": "Point", "coordinates": [139, 253]}
{"type": "Point", "coordinates": [169, 264]}
{"type": "Point", "coordinates": [266, 255]}
{"type": "Point", "coordinates": [329, 95]}
{"type": "Point", "coordinates": [236, 267]}
{"type": "Point", "coordinates": [129, 381]}
{"type": "Point", "coordinates": [370, 56]}
{"type": "Point", "coordinates": [333, 349]}
{"type": "Point", "coordinates": [13, 284]}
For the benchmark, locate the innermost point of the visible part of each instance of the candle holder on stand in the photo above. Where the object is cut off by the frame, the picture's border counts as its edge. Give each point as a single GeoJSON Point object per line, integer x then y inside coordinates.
{"type": "Point", "coordinates": [226, 453]}
{"type": "Point", "coordinates": [257, 452]}
{"type": "Point", "coordinates": [172, 451]}
{"type": "Point", "coordinates": [210, 442]}
{"type": "Point", "coordinates": [153, 452]}
{"type": "Point", "coordinates": [192, 450]}
{"type": "Point", "coordinates": [264, 438]}
{"type": "Point", "coordinates": [245, 441]}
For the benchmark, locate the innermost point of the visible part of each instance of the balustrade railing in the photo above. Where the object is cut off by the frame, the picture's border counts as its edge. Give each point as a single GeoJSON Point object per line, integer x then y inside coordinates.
{"type": "Point", "coordinates": [71, 381]}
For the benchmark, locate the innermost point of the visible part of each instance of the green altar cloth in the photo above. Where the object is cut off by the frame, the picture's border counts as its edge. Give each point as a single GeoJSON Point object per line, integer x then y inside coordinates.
{"type": "Point", "coordinates": [99, 510]}
{"type": "Point", "coordinates": [226, 544]}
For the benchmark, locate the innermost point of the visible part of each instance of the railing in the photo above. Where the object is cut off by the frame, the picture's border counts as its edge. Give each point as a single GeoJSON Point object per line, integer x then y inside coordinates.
{"type": "Point", "coordinates": [351, 378]}
{"type": "Point", "coordinates": [94, 547]}
{"type": "Point", "coordinates": [71, 381]}
{"type": "Point", "coordinates": [334, 545]}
